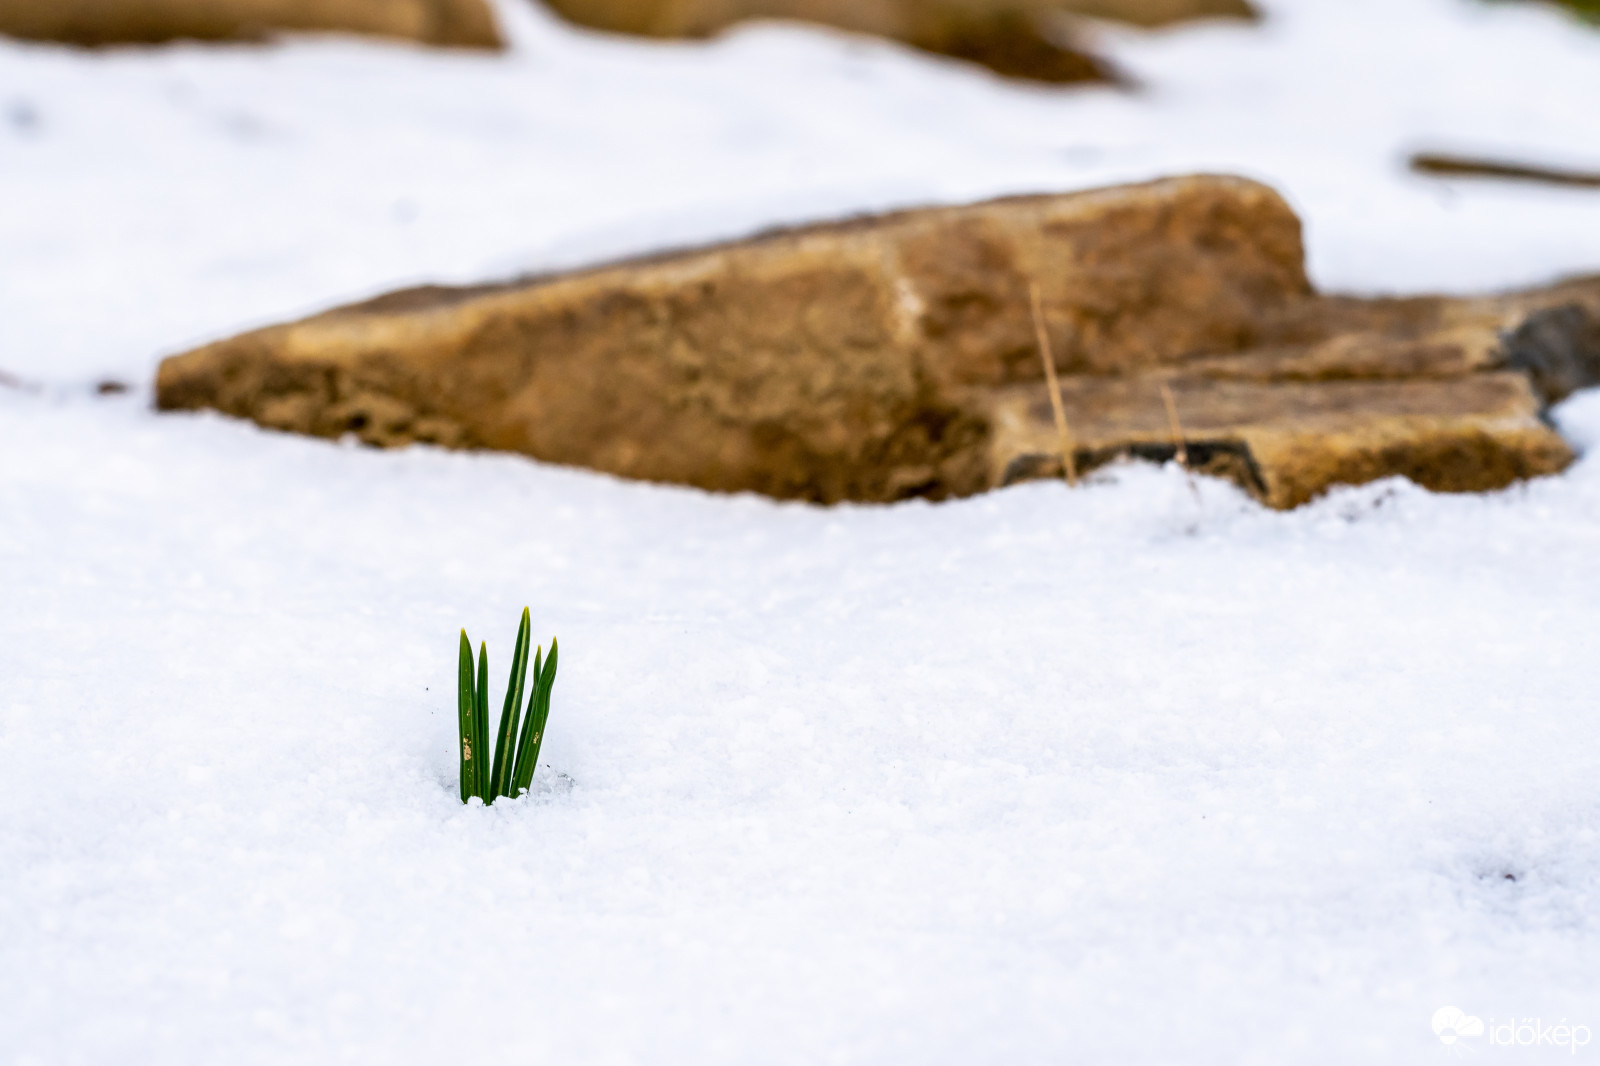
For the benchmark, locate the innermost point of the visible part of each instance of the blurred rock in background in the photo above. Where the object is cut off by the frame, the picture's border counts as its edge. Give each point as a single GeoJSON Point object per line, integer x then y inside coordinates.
{"type": "Point", "coordinates": [1030, 39]}
{"type": "Point", "coordinates": [1017, 38]}
{"type": "Point", "coordinates": [451, 23]}
{"type": "Point", "coordinates": [1155, 12]}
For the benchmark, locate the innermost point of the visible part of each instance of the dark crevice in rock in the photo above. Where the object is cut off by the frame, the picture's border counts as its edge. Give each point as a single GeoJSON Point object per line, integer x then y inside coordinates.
{"type": "Point", "coordinates": [1227, 459]}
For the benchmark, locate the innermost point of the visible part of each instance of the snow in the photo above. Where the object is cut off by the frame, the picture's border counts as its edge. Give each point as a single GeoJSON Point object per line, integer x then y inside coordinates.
{"type": "Point", "coordinates": [1108, 775]}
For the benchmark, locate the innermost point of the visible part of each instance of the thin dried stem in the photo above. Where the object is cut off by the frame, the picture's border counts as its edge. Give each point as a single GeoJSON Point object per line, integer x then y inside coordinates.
{"type": "Point", "coordinates": [1177, 427]}
{"type": "Point", "coordinates": [1069, 466]}
{"type": "Point", "coordinates": [1177, 437]}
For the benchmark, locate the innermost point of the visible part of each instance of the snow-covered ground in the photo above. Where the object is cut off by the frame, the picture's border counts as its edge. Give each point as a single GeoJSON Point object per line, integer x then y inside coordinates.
{"type": "Point", "coordinates": [1099, 776]}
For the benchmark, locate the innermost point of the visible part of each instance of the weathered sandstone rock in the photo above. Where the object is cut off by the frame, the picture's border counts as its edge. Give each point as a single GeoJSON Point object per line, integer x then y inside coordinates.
{"type": "Point", "coordinates": [1287, 441]}
{"type": "Point", "coordinates": [832, 362]}
{"type": "Point", "coordinates": [895, 356]}
{"type": "Point", "coordinates": [890, 18]}
{"type": "Point", "coordinates": [459, 23]}
{"type": "Point", "coordinates": [1449, 393]}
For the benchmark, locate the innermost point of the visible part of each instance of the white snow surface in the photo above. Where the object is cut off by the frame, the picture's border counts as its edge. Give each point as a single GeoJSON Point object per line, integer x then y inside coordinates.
{"type": "Point", "coordinates": [1106, 775]}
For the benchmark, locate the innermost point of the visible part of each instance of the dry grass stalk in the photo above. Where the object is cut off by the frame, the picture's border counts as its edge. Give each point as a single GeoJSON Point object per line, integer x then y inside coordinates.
{"type": "Point", "coordinates": [1177, 427]}
{"type": "Point", "coordinates": [1069, 465]}
{"type": "Point", "coordinates": [1177, 437]}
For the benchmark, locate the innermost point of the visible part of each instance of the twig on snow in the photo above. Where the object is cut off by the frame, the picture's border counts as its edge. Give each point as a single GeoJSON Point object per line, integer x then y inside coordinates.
{"type": "Point", "coordinates": [1438, 164]}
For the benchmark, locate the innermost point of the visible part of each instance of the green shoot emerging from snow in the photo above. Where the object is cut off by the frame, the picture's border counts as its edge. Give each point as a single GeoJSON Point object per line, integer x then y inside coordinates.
{"type": "Point", "coordinates": [516, 754]}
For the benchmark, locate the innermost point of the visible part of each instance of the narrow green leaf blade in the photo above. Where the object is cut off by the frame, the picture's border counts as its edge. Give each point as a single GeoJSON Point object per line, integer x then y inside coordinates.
{"type": "Point", "coordinates": [505, 745]}
{"type": "Point", "coordinates": [480, 724]}
{"type": "Point", "coordinates": [519, 780]}
{"type": "Point", "coordinates": [466, 701]}
{"type": "Point", "coordinates": [533, 726]}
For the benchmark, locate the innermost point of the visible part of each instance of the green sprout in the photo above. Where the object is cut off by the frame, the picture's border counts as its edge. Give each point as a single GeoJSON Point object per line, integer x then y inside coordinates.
{"type": "Point", "coordinates": [515, 754]}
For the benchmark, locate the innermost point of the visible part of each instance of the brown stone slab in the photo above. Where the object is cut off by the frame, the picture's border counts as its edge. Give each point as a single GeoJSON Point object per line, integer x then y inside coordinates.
{"type": "Point", "coordinates": [451, 23]}
{"type": "Point", "coordinates": [1287, 441]}
{"type": "Point", "coordinates": [827, 363]}
{"type": "Point", "coordinates": [895, 356]}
